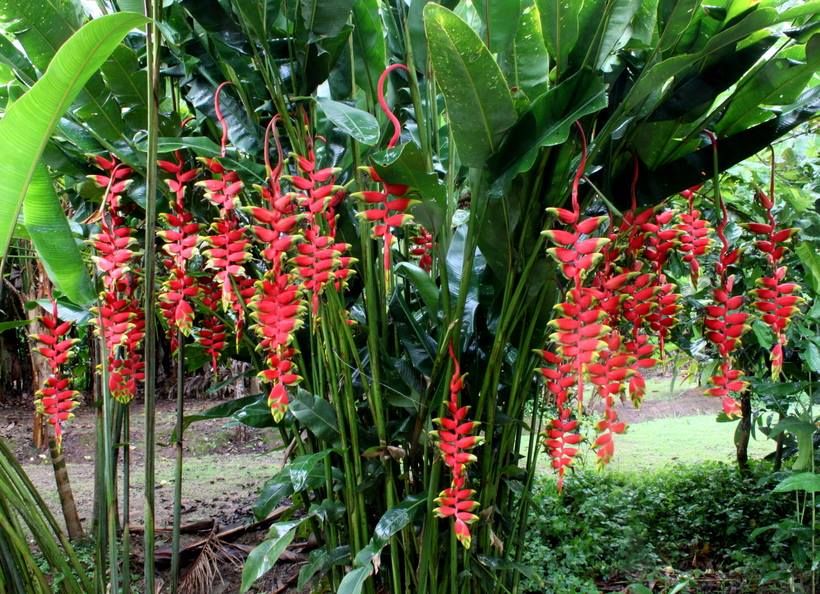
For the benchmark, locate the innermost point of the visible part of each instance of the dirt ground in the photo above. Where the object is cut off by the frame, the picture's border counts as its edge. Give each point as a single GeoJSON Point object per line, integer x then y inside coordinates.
{"type": "Point", "coordinates": [225, 465]}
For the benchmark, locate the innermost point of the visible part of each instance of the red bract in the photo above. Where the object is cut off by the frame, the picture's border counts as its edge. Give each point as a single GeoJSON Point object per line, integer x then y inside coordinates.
{"type": "Point", "coordinates": [211, 334]}
{"type": "Point", "coordinates": [423, 249]}
{"type": "Point", "coordinates": [777, 300]}
{"type": "Point", "coordinates": [389, 212]}
{"type": "Point", "coordinates": [228, 251]}
{"type": "Point", "coordinates": [455, 440]}
{"type": "Point", "coordinates": [725, 323]}
{"type": "Point", "coordinates": [693, 238]}
{"type": "Point", "coordinates": [277, 309]}
{"type": "Point", "coordinates": [182, 176]}
{"type": "Point", "coordinates": [316, 191]}
{"type": "Point", "coordinates": [55, 399]}
{"type": "Point", "coordinates": [175, 301]}
{"type": "Point", "coordinates": [319, 261]}
{"type": "Point", "coordinates": [389, 204]}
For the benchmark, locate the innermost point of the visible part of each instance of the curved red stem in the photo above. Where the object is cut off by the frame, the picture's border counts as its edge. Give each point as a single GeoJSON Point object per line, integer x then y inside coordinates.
{"type": "Point", "coordinates": [579, 173]}
{"type": "Point", "coordinates": [386, 108]}
{"type": "Point", "coordinates": [273, 174]}
{"type": "Point", "coordinates": [220, 118]}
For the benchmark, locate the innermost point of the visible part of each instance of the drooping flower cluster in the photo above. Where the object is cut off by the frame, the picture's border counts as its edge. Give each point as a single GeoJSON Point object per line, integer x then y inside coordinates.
{"type": "Point", "coordinates": [776, 299]}
{"type": "Point", "coordinates": [725, 321]}
{"type": "Point", "coordinates": [181, 238]}
{"type": "Point", "coordinates": [455, 440]}
{"type": "Point", "coordinates": [120, 318]}
{"type": "Point", "coordinates": [55, 399]}
{"type": "Point", "coordinates": [388, 204]}
{"type": "Point", "coordinates": [694, 235]}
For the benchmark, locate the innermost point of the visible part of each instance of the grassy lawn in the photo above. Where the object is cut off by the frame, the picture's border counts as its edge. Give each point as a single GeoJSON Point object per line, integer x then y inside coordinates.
{"type": "Point", "coordinates": [653, 445]}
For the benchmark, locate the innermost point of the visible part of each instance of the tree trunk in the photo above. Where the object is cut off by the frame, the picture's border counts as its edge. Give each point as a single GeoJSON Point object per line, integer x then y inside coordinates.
{"type": "Point", "coordinates": [72, 518]}
{"type": "Point", "coordinates": [744, 432]}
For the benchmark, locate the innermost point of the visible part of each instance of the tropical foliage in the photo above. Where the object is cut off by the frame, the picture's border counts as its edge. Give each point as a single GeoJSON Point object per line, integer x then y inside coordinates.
{"type": "Point", "coordinates": [379, 206]}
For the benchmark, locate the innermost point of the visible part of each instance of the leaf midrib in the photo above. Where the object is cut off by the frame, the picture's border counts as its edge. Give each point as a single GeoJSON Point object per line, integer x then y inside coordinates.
{"type": "Point", "coordinates": [472, 86]}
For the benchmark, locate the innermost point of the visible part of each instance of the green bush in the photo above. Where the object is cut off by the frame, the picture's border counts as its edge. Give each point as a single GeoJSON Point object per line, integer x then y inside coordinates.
{"type": "Point", "coordinates": [633, 527]}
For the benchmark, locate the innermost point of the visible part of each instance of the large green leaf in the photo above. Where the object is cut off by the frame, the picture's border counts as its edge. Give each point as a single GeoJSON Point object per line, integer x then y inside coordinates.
{"type": "Point", "coordinates": [526, 62]}
{"type": "Point", "coordinates": [391, 523]}
{"type": "Point", "coordinates": [548, 120]}
{"type": "Point", "coordinates": [28, 124]}
{"type": "Point", "coordinates": [325, 18]}
{"type": "Point", "coordinates": [559, 24]}
{"type": "Point", "coordinates": [618, 18]}
{"type": "Point", "coordinates": [479, 104]}
{"type": "Point", "coordinates": [811, 264]}
{"type": "Point", "coordinates": [359, 125]}
{"type": "Point", "coordinates": [802, 481]}
{"type": "Point", "coordinates": [41, 28]}
{"type": "Point", "coordinates": [370, 55]}
{"type": "Point", "coordinates": [51, 234]}
{"type": "Point", "coordinates": [316, 414]}
{"type": "Point", "coordinates": [262, 558]}
{"type": "Point", "coordinates": [500, 20]}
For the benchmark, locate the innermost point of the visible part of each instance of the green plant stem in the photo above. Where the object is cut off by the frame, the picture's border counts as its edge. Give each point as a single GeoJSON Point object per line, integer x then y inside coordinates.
{"type": "Point", "coordinates": [175, 536]}
{"type": "Point", "coordinates": [108, 472]}
{"type": "Point", "coordinates": [152, 10]}
{"type": "Point", "coordinates": [125, 444]}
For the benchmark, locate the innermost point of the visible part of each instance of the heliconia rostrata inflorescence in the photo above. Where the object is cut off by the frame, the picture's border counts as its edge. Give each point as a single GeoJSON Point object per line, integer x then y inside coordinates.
{"type": "Point", "coordinates": [272, 254]}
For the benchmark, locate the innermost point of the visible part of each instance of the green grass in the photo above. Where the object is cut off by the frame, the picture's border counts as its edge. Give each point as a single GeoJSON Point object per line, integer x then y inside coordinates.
{"type": "Point", "coordinates": [655, 445]}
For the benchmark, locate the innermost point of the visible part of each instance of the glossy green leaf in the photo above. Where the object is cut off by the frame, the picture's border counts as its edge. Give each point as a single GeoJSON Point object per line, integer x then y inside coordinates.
{"type": "Point", "coordinates": [559, 24]}
{"type": "Point", "coordinates": [220, 411]}
{"type": "Point", "coordinates": [30, 121]}
{"type": "Point", "coordinates": [618, 17]}
{"type": "Point", "coordinates": [391, 523]}
{"type": "Point", "coordinates": [256, 413]}
{"type": "Point", "coordinates": [674, 17]}
{"type": "Point", "coordinates": [803, 430]}
{"type": "Point", "coordinates": [499, 20]}
{"type": "Point", "coordinates": [359, 125]}
{"type": "Point", "coordinates": [301, 468]}
{"type": "Point", "coordinates": [12, 324]}
{"type": "Point", "coordinates": [273, 492]}
{"type": "Point", "coordinates": [549, 119]}
{"type": "Point", "coordinates": [811, 357]}
{"type": "Point", "coordinates": [526, 62]}
{"type": "Point", "coordinates": [316, 414]}
{"type": "Point", "coordinates": [325, 18]}
{"type": "Point", "coordinates": [479, 105]}
{"type": "Point", "coordinates": [370, 55]}
{"type": "Point", "coordinates": [320, 561]}
{"type": "Point", "coordinates": [51, 235]}
{"type": "Point", "coordinates": [265, 555]}
{"type": "Point", "coordinates": [811, 264]}
{"type": "Point", "coordinates": [424, 284]}
{"type": "Point", "coordinates": [354, 580]}
{"type": "Point", "coordinates": [802, 481]}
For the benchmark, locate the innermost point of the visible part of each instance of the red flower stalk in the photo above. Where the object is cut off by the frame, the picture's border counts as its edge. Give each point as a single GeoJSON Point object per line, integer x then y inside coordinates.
{"type": "Point", "coordinates": [319, 261]}
{"type": "Point", "coordinates": [390, 202]}
{"type": "Point", "coordinates": [609, 374]}
{"type": "Point", "coordinates": [182, 176]}
{"type": "Point", "coordinates": [211, 334]}
{"type": "Point", "coordinates": [175, 301]}
{"type": "Point", "coordinates": [777, 300]}
{"type": "Point", "coordinates": [693, 241]}
{"type": "Point", "coordinates": [55, 399]}
{"type": "Point", "coordinates": [316, 188]}
{"type": "Point", "coordinates": [560, 437]}
{"type": "Point", "coordinates": [725, 323]}
{"type": "Point", "coordinates": [455, 440]}
{"type": "Point", "coordinates": [423, 249]}
{"type": "Point", "coordinates": [277, 310]}
{"type": "Point", "coordinates": [228, 251]}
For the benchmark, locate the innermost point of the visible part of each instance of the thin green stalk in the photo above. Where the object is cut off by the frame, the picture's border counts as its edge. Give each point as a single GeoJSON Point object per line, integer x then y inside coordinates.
{"type": "Point", "coordinates": [108, 470]}
{"type": "Point", "coordinates": [152, 10]}
{"type": "Point", "coordinates": [125, 444]}
{"type": "Point", "coordinates": [178, 462]}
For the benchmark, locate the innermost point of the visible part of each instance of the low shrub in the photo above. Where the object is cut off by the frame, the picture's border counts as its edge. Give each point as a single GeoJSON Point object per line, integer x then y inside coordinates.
{"type": "Point", "coordinates": [608, 528]}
